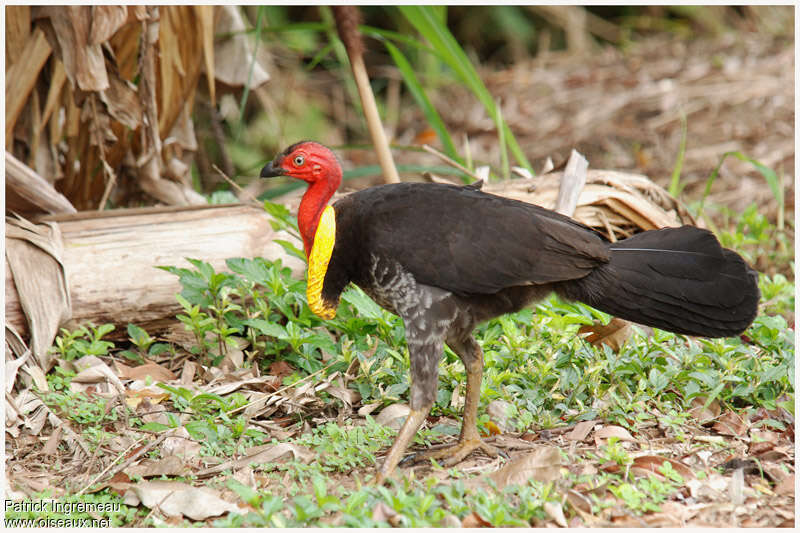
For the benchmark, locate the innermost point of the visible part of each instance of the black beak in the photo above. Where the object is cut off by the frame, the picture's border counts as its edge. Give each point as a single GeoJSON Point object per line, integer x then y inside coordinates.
{"type": "Point", "coordinates": [270, 171]}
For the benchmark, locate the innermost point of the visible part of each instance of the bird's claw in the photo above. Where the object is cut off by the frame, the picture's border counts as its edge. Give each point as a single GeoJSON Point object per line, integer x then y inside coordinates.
{"type": "Point", "coordinates": [453, 454]}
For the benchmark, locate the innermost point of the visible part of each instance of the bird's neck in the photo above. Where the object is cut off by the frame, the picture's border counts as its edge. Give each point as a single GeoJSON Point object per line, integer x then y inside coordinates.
{"type": "Point", "coordinates": [311, 206]}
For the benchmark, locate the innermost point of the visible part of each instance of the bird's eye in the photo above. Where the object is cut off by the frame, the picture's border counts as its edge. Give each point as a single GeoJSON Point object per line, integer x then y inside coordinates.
{"type": "Point", "coordinates": [299, 160]}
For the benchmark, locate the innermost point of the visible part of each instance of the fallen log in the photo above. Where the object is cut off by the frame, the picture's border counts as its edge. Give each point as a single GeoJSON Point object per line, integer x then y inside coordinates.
{"type": "Point", "coordinates": [108, 264]}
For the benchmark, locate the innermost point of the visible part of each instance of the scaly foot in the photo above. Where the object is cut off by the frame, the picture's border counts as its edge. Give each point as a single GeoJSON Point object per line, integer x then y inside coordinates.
{"type": "Point", "coordinates": [450, 455]}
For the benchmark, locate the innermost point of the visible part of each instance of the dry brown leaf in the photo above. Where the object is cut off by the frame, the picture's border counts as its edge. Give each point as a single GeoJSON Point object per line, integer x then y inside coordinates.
{"type": "Point", "coordinates": [51, 446]}
{"type": "Point", "coordinates": [703, 414]}
{"type": "Point", "coordinates": [179, 499]}
{"type": "Point", "coordinates": [393, 415]}
{"type": "Point", "coordinates": [170, 465]}
{"type": "Point", "coordinates": [154, 371]}
{"type": "Point", "coordinates": [84, 62]}
{"type": "Point", "coordinates": [785, 486]}
{"type": "Point", "coordinates": [106, 20]}
{"type": "Point", "coordinates": [348, 396]}
{"type": "Point", "coordinates": [233, 56]}
{"type": "Point", "coordinates": [122, 101]}
{"type": "Point", "coordinates": [369, 408]}
{"type": "Point", "coordinates": [33, 188]}
{"type": "Point", "coordinates": [181, 444]}
{"type": "Point", "coordinates": [205, 15]}
{"type": "Point", "coordinates": [541, 464]}
{"type": "Point", "coordinates": [281, 369]}
{"type": "Point", "coordinates": [34, 257]}
{"type": "Point", "coordinates": [731, 423]}
{"type": "Point", "coordinates": [188, 372]}
{"type": "Point", "coordinates": [652, 463]}
{"type": "Point", "coordinates": [133, 398]}
{"type": "Point", "coordinates": [579, 501]}
{"type": "Point", "coordinates": [555, 511]}
{"type": "Point", "coordinates": [93, 371]}
{"type": "Point", "coordinates": [614, 334]}
{"type": "Point", "coordinates": [21, 78]}
{"type": "Point", "coordinates": [581, 430]}
{"type": "Point", "coordinates": [606, 432]}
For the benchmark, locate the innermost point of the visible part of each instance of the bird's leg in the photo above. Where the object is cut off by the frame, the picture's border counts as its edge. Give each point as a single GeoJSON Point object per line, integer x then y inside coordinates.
{"type": "Point", "coordinates": [404, 437]}
{"type": "Point", "coordinates": [424, 354]}
{"type": "Point", "coordinates": [469, 440]}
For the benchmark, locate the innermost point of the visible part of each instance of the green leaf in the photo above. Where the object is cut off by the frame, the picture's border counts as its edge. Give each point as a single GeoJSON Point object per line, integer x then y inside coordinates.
{"type": "Point", "coordinates": [154, 426]}
{"type": "Point", "coordinates": [291, 249]}
{"type": "Point", "coordinates": [246, 493]}
{"type": "Point", "coordinates": [363, 303]}
{"type": "Point", "coordinates": [253, 270]}
{"type": "Point", "coordinates": [103, 330]}
{"type": "Point", "coordinates": [138, 335]}
{"type": "Point", "coordinates": [269, 329]}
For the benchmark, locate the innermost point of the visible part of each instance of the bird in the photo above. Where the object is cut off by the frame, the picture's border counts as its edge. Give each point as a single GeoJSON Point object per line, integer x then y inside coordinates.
{"type": "Point", "coordinates": [446, 258]}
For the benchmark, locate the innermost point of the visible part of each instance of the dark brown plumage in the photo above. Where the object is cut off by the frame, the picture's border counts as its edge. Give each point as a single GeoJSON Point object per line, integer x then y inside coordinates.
{"type": "Point", "coordinates": [446, 258]}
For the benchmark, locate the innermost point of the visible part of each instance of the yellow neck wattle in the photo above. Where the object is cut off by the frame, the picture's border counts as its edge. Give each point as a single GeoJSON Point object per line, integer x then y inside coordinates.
{"type": "Point", "coordinates": [318, 259]}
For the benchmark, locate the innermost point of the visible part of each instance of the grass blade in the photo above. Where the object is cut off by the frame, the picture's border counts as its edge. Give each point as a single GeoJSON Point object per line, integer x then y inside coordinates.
{"type": "Point", "coordinates": [772, 179]}
{"type": "Point", "coordinates": [414, 86]}
{"type": "Point", "coordinates": [675, 186]}
{"type": "Point", "coordinates": [426, 21]}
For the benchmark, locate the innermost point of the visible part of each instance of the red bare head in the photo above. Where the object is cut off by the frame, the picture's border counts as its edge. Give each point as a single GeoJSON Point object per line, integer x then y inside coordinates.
{"type": "Point", "coordinates": [316, 165]}
{"type": "Point", "coordinates": [308, 161]}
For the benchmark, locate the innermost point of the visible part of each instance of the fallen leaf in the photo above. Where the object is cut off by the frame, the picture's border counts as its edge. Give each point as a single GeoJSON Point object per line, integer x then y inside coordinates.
{"type": "Point", "coordinates": [180, 443]}
{"type": "Point", "coordinates": [653, 463]}
{"type": "Point", "coordinates": [732, 424]}
{"type": "Point", "coordinates": [581, 430]}
{"type": "Point", "coordinates": [154, 371]}
{"type": "Point", "coordinates": [579, 501]}
{"type": "Point", "coordinates": [701, 413]}
{"type": "Point", "coordinates": [134, 397]}
{"type": "Point", "coordinates": [554, 511]}
{"type": "Point", "coordinates": [367, 409]}
{"type": "Point", "coordinates": [51, 446]}
{"type": "Point", "coordinates": [188, 372]}
{"type": "Point", "coordinates": [614, 334]}
{"type": "Point", "coordinates": [492, 429]}
{"type": "Point", "coordinates": [606, 432]}
{"type": "Point", "coordinates": [393, 416]}
{"type": "Point", "coordinates": [542, 464]}
{"type": "Point", "coordinates": [94, 371]}
{"type": "Point", "coordinates": [176, 499]}
{"type": "Point", "coordinates": [450, 520]}
{"type": "Point", "coordinates": [348, 396]}
{"type": "Point", "coordinates": [281, 369]}
{"type": "Point", "coordinates": [785, 486]}
{"type": "Point", "coordinates": [170, 465]}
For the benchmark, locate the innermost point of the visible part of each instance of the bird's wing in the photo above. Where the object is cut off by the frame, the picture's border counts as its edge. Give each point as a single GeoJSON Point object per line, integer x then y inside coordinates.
{"type": "Point", "coordinates": [467, 241]}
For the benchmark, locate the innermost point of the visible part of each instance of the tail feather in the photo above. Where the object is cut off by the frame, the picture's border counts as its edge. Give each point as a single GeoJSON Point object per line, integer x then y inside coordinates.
{"type": "Point", "coordinates": [677, 279]}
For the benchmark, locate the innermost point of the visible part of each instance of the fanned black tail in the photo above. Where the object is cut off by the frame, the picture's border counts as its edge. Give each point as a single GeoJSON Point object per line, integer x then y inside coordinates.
{"type": "Point", "coordinates": [677, 279]}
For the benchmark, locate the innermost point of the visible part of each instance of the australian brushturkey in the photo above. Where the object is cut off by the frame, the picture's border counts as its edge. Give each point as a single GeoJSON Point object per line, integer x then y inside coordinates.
{"type": "Point", "coordinates": [445, 258]}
